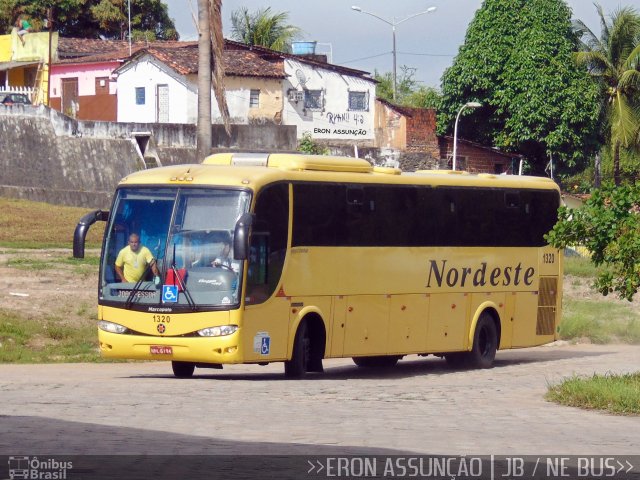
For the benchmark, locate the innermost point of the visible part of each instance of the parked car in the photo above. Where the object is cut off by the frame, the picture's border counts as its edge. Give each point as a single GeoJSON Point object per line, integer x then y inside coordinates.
{"type": "Point", "coordinates": [10, 98]}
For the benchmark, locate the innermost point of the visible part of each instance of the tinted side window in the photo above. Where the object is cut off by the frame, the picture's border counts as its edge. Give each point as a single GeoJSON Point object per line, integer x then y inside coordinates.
{"type": "Point", "coordinates": [319, 212]}
{"type": "Point", "coordinates": [399, 216]}
{"type": "Point", "coordinates": [268, 242]}
{"type": "Point", "coordinates": [495, 217]}
{"type": "Point", "coordinates": [544, 214]}
{"type": "Point", "coordinates": [386, 215]}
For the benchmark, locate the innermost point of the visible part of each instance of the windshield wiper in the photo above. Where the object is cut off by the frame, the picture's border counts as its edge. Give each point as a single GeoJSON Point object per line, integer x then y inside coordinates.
{"type": "Point", "coordinates": [136, 287]}
{"type": "Point", "coordinates": [181, 285]}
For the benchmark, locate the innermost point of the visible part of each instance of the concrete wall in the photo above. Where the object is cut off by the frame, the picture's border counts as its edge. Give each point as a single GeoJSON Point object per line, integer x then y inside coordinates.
{"type": "Point", "coordinates": [390, 127]}
{"type": "Point", "coordinates": [475, 158]}
{"type": "Point", "coordinates": [52, 158]}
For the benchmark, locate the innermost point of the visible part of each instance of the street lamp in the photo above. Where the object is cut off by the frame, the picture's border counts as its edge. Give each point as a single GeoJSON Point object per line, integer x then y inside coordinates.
{"type": "Point", "coordinates": [393, 24]}
{"type": "Point", "coordinates": [455, 128]}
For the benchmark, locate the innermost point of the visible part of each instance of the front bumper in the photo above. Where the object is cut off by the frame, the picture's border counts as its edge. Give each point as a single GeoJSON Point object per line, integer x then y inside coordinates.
{"type": "Point", "coordinates": [226, 349]}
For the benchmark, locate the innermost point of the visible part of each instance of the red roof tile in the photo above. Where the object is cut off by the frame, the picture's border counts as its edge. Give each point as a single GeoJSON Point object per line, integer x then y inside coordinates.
{"type": "Point", "coordinates": [239, 59]}
{"type": "Point", "coordinates": [237, 63]}
{"type": "Point", "coordinates": [83, 47]}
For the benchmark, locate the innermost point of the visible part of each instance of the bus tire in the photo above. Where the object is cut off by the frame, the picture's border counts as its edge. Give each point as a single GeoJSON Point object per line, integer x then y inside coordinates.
{"type": "Point", "coordinates": [485, 343]}
{"type": "Point", "coordinates": [183, 369]}
{"type": "Point", "coordinates": [298, 365]}
{"type": "Point", "coordinates": [382, 361]}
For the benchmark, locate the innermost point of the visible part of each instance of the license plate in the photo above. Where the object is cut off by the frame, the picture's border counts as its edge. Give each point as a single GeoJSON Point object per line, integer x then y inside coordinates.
{"type": "Point", "coordinates": [161, 350]}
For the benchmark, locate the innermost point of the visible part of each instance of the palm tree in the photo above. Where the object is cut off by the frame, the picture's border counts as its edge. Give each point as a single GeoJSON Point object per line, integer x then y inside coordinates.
{"type": "Point", "coordinates": [614, 59]}
{"type": "Point", "coordinates": [263, 28]}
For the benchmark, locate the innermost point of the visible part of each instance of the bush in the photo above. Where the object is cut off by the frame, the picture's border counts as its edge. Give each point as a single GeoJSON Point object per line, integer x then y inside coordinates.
{"type": "Point", "coordinates": [309, 145]}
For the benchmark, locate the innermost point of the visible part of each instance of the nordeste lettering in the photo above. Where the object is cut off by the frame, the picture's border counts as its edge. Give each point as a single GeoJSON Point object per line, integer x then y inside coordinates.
{"type": "Point", "coordinates": [442, 275]}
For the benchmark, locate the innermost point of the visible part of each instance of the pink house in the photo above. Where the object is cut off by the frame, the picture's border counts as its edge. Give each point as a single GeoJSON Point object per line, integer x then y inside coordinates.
{"type": "Point", "coordinates": [84, 89]}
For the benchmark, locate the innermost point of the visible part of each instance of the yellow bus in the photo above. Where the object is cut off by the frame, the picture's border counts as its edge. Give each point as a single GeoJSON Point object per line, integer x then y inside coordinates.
{"type": "Point", "coordinates": [291, 258]}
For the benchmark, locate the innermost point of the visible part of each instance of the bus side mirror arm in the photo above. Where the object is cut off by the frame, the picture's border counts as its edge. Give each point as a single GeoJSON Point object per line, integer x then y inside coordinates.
{"type": "Point", "coordinates": [82, 228]}
{"type": "Point", "coordinates": [241, 237]}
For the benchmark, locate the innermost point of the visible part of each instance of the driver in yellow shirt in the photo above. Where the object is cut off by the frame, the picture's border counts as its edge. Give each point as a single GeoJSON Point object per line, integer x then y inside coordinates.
{"type": "Point", "coordinates": [133, 259]}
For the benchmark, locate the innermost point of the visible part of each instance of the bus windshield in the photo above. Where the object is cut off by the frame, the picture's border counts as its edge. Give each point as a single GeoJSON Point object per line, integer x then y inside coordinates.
{"type": "Point", "coordinates": [173, 247]}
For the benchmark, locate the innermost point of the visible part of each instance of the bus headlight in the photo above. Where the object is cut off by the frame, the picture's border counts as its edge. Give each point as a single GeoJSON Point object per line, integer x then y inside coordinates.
{"type": "Point", "coordinates": [218, 331]}
{"type": "Point", "coordinates": [111, 327]}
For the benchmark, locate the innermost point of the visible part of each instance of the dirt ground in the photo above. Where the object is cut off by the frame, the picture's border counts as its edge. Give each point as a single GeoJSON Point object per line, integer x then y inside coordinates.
{"type": "Point", "coordinates": [49, 283]}
{"type": "Point", "coordinates": [578, 288]}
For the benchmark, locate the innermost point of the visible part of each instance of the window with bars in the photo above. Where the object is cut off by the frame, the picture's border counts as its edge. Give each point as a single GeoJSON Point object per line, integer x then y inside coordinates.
{"type": "Point", "coordinates": [254, 99]}
{"type": "Point", "coordinates": [313, 99]}
{"type": "Point", "coordinates": [359, 101]}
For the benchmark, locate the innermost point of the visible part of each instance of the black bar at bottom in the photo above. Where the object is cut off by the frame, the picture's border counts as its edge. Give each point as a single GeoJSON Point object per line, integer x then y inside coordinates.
{"type": "Point", "coordinates": [227, 467]}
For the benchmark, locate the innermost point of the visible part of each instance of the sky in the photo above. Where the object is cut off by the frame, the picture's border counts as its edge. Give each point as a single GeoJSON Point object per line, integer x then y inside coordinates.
{"type": "Point", "coordinates": [428, 42]}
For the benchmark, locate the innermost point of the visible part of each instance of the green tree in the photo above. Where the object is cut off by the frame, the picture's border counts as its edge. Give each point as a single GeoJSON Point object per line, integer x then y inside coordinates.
{"type": "Point", "coordinates": [308, 145]}
{"type": "Point", "coordinates": [409, 94]}
{"type": "Point", "coordinates": [608, 224]}
{"type": "Point", "coordinates": [424, 97]}
{"type": "Point", "coordinates": [263, 28]}
{"type": "Point", "coordinates": [517, 62]}
{"type": "Point", "coordinates": [92, 18]}
{"type": "Point", "coordinates": [614, 60]}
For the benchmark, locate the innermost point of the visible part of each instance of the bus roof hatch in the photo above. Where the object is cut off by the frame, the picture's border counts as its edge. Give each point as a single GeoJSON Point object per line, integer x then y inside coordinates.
{"type": "Point", "coordinates": [291, 161]}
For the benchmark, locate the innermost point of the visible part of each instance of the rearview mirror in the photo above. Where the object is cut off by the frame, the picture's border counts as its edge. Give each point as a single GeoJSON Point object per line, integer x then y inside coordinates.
{"type": "Point", "coordinates": [83, 227]}
{"type": "Point", "coordinates": [241, 237]}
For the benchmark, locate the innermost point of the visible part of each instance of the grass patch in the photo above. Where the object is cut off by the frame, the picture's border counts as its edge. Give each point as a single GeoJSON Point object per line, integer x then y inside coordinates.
{"type": "Point", "coordinates": [580, 267]}
{"type": "Point", "coordinates": [619, 394]}
{"type": "Point", "coordinates": [30, 264]}
{"type": "Point", "coordinates": [24, 340]}
{"type": "Point", "coordinates": [26, 224]}
{"type": "Point", "coordinates": [81, 266]}
{"type": "Point", "coordinates": [93, 261]}
{"type": "Point", "coordinates": [600, 322]}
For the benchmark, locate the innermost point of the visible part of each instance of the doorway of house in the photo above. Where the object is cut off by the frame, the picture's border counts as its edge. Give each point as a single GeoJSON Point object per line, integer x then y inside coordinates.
{"type": "Point", "coordinates": [163, 104]}
{"type": "Point", "coordinates": [70, 104]}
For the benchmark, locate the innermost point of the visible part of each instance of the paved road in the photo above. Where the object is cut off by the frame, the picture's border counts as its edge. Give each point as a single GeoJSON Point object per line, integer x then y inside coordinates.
{"type": "Point", "coordinates": [420, 406]}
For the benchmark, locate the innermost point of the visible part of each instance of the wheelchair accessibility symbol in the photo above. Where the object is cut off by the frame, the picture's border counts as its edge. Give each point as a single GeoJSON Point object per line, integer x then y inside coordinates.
{"type": "Point", "coordinates": [169, 293]}
{"type": "Point", "coordinates": [264, 348]}
{"type": "Point", "coordinates": [262, 343]}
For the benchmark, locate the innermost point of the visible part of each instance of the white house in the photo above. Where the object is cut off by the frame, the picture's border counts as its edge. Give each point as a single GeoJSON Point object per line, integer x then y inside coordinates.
{"type": "Point", "coordinates": [160, 85]}
{"type": "Point", "coordinates": [328, 101]}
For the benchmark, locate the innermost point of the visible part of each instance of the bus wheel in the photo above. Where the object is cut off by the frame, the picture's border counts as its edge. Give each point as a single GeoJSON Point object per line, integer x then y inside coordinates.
{"type": "Point", "coordinates": [485, 343]}
{"type": "Point", "coordinates": [383, 361]}
{"type": "Point", "coordinates": [298, 365]}
{"type": "Point", "coordinates": [183, 369]}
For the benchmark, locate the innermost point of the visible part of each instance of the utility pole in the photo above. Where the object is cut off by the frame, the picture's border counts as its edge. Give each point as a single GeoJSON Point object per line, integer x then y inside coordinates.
{"type": "Point", "coordinates": [50, 25]}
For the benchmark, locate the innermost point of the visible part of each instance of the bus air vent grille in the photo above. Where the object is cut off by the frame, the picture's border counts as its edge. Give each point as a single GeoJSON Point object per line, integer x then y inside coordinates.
{"type": "Point", "coordinates": [548, 292]}
{"type": "Point", "coordinates": [547, 298]}
{"type": "Point", "coordinates": [546, 320]}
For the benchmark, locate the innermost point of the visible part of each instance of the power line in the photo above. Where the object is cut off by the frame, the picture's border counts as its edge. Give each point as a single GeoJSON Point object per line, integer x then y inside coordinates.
{"type": "Point", "coordinates": [427, 54]}
{"type": "Point", "coordinates": [365, 58]}
{"type": "Point", "coordinates": [400, 53]}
